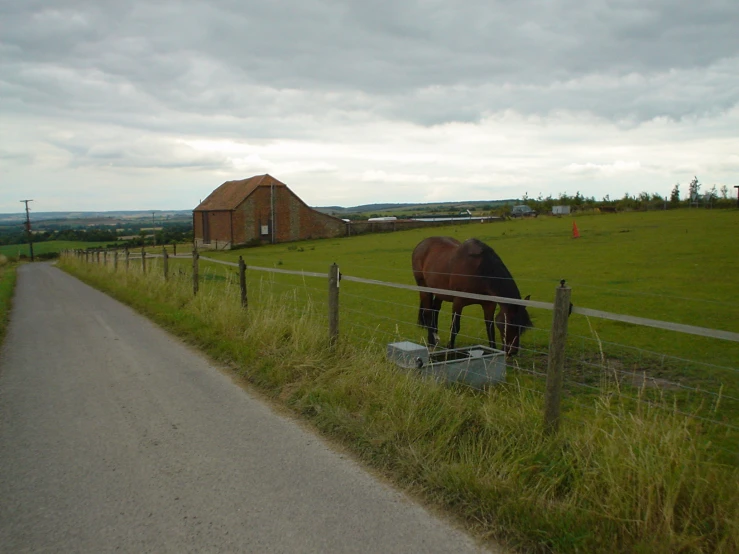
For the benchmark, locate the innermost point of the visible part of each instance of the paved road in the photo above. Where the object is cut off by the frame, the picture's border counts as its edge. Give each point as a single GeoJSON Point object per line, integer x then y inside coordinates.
{"type": "Point", "coordinates": [116, 437]}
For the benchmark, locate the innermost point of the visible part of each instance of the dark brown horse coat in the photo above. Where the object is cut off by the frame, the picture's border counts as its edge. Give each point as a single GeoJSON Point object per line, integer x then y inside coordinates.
{"type": "Point", "coordinates": [472, 266]}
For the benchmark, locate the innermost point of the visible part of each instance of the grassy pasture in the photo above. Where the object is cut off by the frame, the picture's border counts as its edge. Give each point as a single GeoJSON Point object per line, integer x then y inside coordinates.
{"type": "Point", "coordinates": [7, 286]}
{"type": "Point", "coordinates": [678, 266]}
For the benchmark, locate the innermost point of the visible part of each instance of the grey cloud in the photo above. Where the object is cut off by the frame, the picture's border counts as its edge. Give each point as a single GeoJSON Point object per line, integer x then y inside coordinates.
{"type": "Point", "coordinates": [127, 151]}
{"type": "Point", "coordinates": [291, 68]}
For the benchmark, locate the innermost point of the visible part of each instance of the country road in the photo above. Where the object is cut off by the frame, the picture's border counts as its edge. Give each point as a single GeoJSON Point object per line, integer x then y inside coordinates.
{"type": "Point", "coordinates": [114, 436]}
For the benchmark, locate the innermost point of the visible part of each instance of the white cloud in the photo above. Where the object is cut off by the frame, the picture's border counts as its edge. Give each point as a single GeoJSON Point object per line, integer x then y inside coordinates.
{"type": "Point", "coordinates": [619, 166]}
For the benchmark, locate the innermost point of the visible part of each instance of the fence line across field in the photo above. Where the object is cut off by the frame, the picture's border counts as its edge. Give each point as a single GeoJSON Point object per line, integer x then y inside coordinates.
{"type": "Point", "coordinates": [557, 336]}
{"type": "Point", "coordinates": [588, 312]}
{"type": "Point", "coordinates": [634, 320]}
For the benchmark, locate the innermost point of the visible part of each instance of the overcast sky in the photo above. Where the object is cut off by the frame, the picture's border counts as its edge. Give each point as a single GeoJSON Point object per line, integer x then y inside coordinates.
{"type": "Point", "coordinates": [111, 104]}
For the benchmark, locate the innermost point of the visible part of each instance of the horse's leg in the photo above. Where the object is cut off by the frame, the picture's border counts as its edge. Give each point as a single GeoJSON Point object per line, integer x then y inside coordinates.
{"type": "Point", "coordinates": [426, 316]}
{"type": "Point", "coordinates": [488, 309]}
{"type": "Point", "coordinates": [425, 302]}
{"type": "Point", "coordinates": [456, 321]}
{"type": "Point", "coordinates": [435, 309]}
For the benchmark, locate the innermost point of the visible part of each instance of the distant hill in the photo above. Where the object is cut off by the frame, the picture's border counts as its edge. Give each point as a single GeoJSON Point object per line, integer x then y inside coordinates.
{"type": "Point", "coordinates": [362, 208]}
{"type": "Point", "coordinates": [111, 217]}
{"type": "Point", "coordinates": [420, 207]}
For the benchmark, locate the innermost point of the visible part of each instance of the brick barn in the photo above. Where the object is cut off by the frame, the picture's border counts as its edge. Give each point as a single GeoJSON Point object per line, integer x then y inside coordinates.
{"type": "Point", "coordinates": [258, 210]}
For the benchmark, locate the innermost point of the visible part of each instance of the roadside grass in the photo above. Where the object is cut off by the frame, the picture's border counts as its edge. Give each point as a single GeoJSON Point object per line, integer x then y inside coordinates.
{"type": "Point", "coordinates": [7, 286]}
{"type": "Point", "coordinates": [619, 480]}
{"type": "Point", "coordinates": [47, 247]}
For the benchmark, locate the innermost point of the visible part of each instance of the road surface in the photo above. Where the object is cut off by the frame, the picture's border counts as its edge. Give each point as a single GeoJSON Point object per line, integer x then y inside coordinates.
{"type": "Point", "coordinates": [114, 436]}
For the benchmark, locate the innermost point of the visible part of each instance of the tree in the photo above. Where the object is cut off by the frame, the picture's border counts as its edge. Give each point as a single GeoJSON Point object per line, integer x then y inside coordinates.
{"type": "Point", "coordinates": [694, 189]}
{"type": "Point", "coordinates": [675, 195]}
{"type": "Point", "coordinates": [724, 192]}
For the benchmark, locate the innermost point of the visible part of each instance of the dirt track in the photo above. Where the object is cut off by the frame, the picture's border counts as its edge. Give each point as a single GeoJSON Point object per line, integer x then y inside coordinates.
{"type": "Point", "coordinates": [116, 437]}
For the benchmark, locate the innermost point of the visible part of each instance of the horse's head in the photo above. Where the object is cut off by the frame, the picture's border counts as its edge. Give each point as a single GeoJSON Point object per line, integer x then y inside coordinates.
{"type": "Point", "coordinates": [512, 320]}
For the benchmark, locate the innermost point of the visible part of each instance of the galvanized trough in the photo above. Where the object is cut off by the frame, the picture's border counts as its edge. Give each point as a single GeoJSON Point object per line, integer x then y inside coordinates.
{"type": "Point", "coordinates": [476, 366]}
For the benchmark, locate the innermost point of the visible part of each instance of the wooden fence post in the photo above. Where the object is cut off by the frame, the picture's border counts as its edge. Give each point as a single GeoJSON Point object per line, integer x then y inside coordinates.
{"type": "Point", "coordinates": [143, 260]}
{"type": "Point", "coordinates": [555, 368]}
{"type": "Point", "coordinates": [115, 260]}
{"type": "Point", "coordinates": [165, 262]}
{"type": "Point", "coordinates": [333, 304]}
{"type": "Point", "coordinates": [127, 257]}
{"type": "Point", "coordinates": [174, 248]}
{"type": "Point", "coordinates": [242, 282]}
{"type": "Point", "coordinates": [195, 281]}
{"type": "Point", "coordinates": [97, 256]}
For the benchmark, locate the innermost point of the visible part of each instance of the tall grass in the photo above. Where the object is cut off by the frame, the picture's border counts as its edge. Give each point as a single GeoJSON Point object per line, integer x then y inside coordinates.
{"type": "Point", "coordinates": [7, 286]}
{"type": "Point", "coordinates": [614, 479]}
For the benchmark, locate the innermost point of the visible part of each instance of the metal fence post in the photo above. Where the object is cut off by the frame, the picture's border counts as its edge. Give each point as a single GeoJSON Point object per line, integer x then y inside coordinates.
{"type": "Point", "coordinates": [195, 281]}
{"type": "Point", "coordinates": [242, 281]}
{"type": "Point", "coordinates": [555, 368]}
{"type": "Point", "coordinates": [165, 262]}
{"type": "Point", "coordinates": [333, 304]}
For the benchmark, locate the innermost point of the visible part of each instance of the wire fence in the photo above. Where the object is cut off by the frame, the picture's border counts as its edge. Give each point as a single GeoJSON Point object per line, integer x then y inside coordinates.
{"type": "Point", "coordinates": [594, 365]}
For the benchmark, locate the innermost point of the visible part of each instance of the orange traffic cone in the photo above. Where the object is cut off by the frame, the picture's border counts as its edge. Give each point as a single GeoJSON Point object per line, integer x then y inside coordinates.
{"type": "Point", "coordinates": [575, 232]}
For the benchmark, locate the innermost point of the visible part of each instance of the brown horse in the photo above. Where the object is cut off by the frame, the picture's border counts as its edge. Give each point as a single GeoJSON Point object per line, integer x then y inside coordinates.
{"type": "Point", "coordinates": [472, 266]}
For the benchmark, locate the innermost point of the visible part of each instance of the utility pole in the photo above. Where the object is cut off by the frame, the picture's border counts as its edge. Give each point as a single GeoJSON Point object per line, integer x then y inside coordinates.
{"type": "Point", "coordinates": [28, 228]}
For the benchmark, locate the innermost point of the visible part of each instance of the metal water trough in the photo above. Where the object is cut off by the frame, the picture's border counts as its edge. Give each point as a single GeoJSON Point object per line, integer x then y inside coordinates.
{"type": "Point", "coordinates": [472, 365]}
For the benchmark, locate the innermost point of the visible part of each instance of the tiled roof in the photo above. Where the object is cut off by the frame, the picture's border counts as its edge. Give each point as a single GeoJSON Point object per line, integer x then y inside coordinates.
{"type": "Point", "coordinates": [232, 193]}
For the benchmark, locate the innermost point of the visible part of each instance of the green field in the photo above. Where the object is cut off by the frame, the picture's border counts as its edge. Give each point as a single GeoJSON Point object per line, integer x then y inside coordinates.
{"type": "Point", "coordinates": [39, 248]}
{"type": "Point", "coordinates": [677, 266]}
{"type": "Point", "coordinates": [649, 468]}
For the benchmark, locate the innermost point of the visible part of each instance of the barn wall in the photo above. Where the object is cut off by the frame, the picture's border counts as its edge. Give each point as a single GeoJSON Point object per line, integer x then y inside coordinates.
{"type": "Point", "coordinates": [314, 224]}
{"type": "Point", "coordinates": [219, 223]}
{"type": "Point", "coordinates": [294, 220]}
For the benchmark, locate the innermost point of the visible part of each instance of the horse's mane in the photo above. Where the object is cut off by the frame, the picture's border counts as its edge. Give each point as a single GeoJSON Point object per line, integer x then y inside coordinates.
{"type": "Point", "coordinates": [501, 280]}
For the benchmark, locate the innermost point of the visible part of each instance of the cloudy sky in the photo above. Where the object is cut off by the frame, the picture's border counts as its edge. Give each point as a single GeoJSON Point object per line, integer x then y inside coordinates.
{"type": "Point", "coordinates": [111, 104]}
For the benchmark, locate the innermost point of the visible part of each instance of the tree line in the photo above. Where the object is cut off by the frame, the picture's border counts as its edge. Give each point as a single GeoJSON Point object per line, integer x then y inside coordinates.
{"type": "Point", "coordinates": [695, 197]}
{"type": "Point", "coordinates": [135, 236]}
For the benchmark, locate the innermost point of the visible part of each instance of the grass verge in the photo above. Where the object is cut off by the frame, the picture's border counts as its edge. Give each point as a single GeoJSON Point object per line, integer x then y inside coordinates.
{"type": "Point", "coordinates": [7, 286]}
{"type": "Point", "coordinates": [619, 481]}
